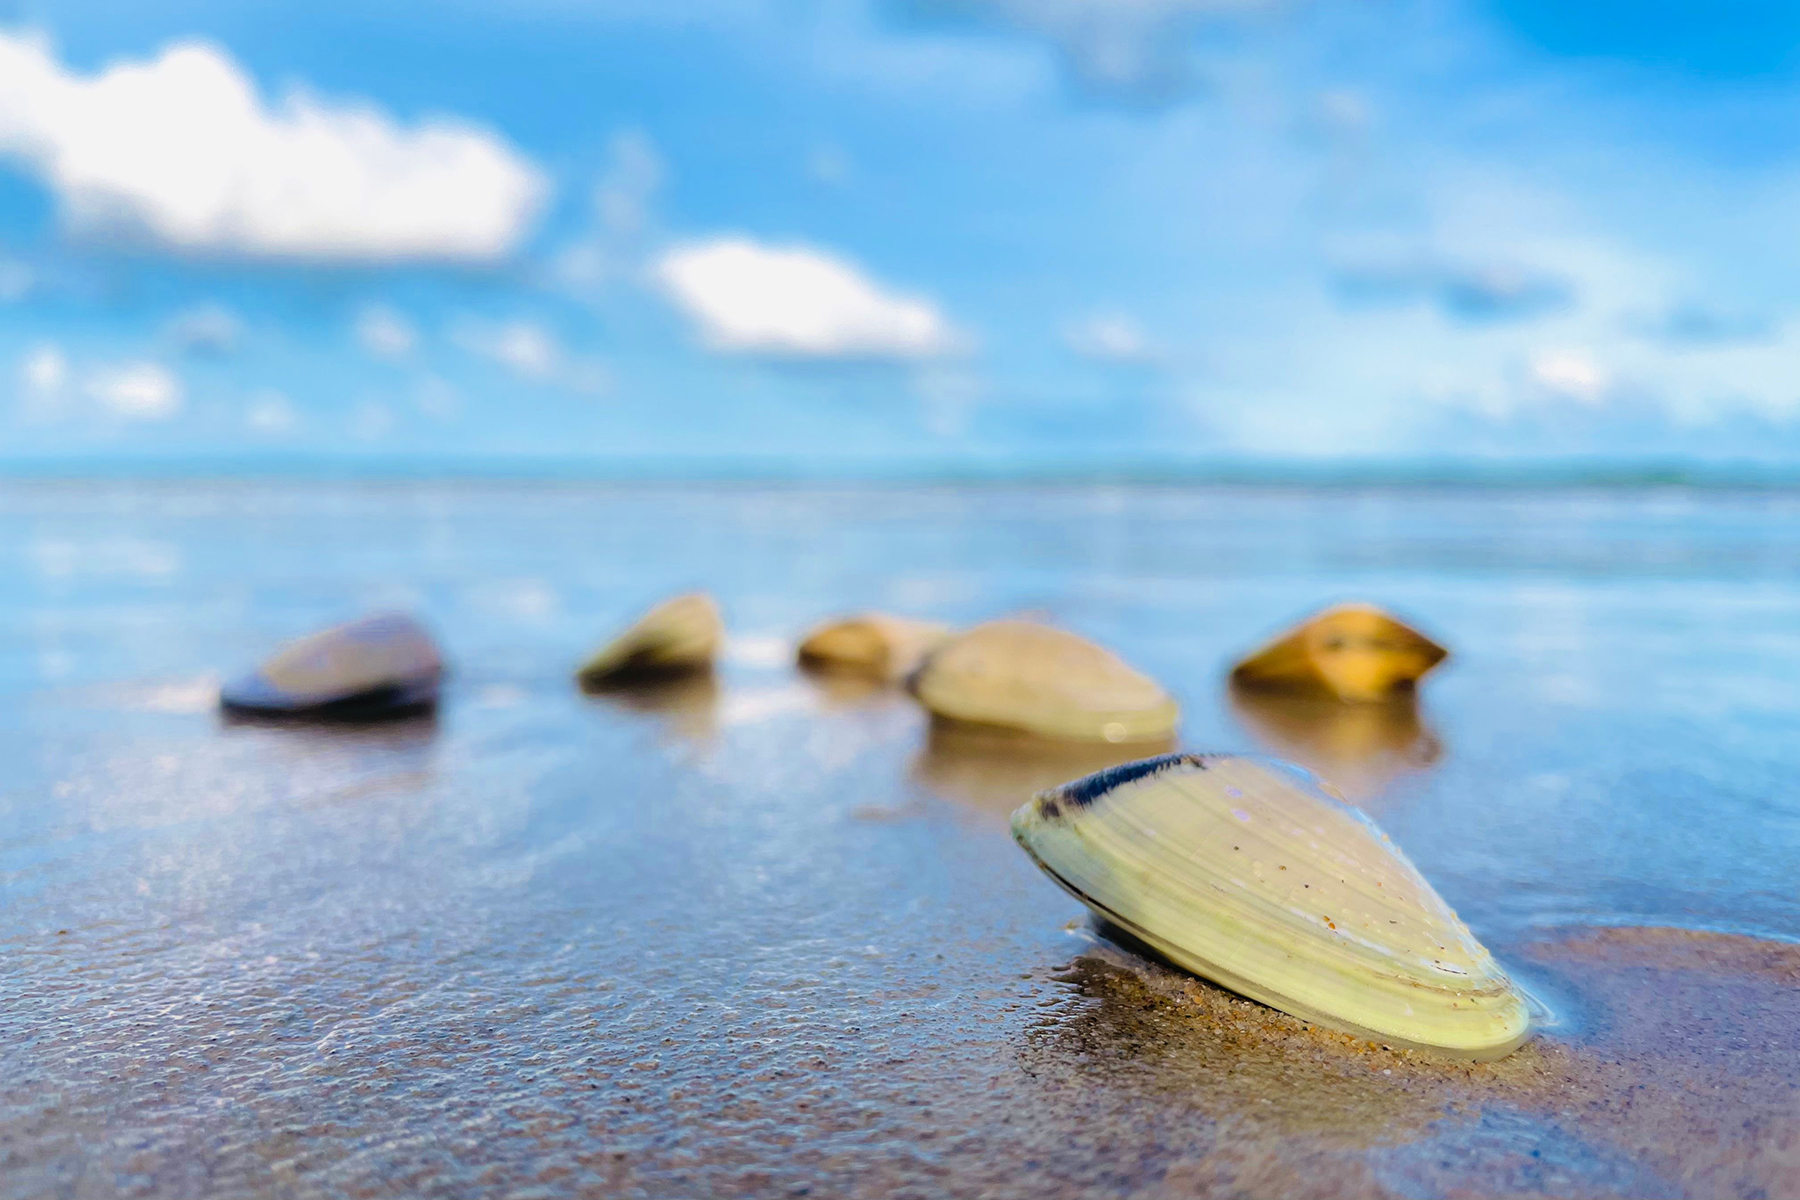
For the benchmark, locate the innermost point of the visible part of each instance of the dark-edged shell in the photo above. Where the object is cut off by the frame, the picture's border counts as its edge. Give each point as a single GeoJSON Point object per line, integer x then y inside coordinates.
{"type": "Point", "coordinates": [379, 666]}
{"type": "Point", "coordinates": [1247, 872]}
{"type": "Point", "coordinates": [682, 634]}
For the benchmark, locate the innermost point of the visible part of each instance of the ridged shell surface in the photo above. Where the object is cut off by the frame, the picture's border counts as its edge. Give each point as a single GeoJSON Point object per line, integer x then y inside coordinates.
{"type": "Point", "coordinates": [875, 644]}
{"type": "Point", "coordinates": [375, 665]}
{"type": "Point", "coordinates": [681, 634]}
{"type": "Point", "coordinates": [1246, 872]}
{"type": "Point", "coordinates": [1045, 681]}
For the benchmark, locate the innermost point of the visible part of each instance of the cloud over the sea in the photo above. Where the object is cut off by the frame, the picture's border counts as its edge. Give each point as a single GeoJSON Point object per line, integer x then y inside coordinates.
{"type": "Point", "coordinates": [797, 302]}
{"type": "Point", "coordinates": [182, 151]}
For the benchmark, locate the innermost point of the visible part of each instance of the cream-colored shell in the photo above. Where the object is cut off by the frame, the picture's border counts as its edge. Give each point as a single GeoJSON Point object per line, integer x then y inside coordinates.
{"type": "Point", "coordinates": [1243, 871]}
{"type": "Point", "coordinates": [681, 634]}
{"type": "Point", "coordinates": [875, 644]}
{"type": "Point", "coordinates": [1044, 681]}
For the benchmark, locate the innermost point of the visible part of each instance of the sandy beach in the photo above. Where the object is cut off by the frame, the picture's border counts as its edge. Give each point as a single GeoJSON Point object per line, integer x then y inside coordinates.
{"type": "Point", "coordinates": [768, 936]}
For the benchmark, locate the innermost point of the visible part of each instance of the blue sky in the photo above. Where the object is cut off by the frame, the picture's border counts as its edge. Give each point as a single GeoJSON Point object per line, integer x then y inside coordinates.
{"type": "Point", "coordinates": [850, 235]}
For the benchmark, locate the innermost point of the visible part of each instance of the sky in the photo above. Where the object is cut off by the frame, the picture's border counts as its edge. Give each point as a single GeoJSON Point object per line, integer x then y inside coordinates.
{"type": "Point", "coordinates": [849, 236]}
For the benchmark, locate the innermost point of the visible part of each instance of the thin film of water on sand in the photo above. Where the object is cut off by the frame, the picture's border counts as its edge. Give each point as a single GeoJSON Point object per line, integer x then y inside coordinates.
{"type": "Point", "coordinates": [764, 932]}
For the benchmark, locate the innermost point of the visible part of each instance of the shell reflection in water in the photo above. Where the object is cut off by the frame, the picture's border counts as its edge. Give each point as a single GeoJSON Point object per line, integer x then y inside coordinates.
{"type": "Point", "coordinates": [876, 645]}
{"type": "Point", "coordinates": [1361, 748]}
{"type": "Point", "coordinates": [1355, 652]}
{"type": "Point", "coordinates": [996, 769]}
{"type": "Point", "coordinates": [848, 691]}
{"type": "Point", "coordinates": [678, 635]}
{"type": "Point", "coordinates": [1246, 872]}
{"type": "Point", "coordinates": [372, 669]}
{"type": "Point", "coordinates": [686, 705]}
{"type": "Point", "coordinates": [1044, 681]}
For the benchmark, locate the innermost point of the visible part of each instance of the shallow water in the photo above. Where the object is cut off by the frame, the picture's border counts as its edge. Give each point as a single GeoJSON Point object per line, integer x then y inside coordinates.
{"type": "Point", "coordinates": [769, 937]}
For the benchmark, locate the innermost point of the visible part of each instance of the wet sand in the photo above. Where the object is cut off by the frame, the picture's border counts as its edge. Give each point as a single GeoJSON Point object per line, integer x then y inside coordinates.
{"type": "Point", "coordinates": [766, 935]}
{"type": "Point", "coordinates": [1679, 1082]}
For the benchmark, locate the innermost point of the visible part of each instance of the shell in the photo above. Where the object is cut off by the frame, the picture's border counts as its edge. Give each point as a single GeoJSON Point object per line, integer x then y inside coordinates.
{"type": "Point", "coordinates": [682, 634]}
{"type": "Point", "coordinates": [876, 644]}
{"type": "Point", "coordinates": [1025, 676]}
{"type": "Point", "coordinates": [1246, 872]}
{"type": "Point", "coordinates": [379, 666]}
{"type": "Point", "coordinates": [1355, 652]}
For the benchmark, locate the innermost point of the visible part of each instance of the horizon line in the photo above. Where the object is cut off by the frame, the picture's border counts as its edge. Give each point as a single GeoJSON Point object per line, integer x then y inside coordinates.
{"type": "Point", "coordinates": [1569, 472]}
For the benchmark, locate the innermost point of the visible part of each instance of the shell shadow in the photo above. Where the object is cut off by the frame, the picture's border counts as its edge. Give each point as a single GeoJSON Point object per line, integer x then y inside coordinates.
{"type": "Point", "coordinates": [1135, 1035]}
{"type": "Point", "coordinates": [849, 691]}
{"type": "Point", "coordinates": [996, 771]}
{"type": "Point", "coordinates": [398, 726]}
{"type": "Point", "coordinates": [338, 760]}
{"type": "Point", "coordinates": [1361, 748]}
{"type": "Point", "coordinates": [686, 703]}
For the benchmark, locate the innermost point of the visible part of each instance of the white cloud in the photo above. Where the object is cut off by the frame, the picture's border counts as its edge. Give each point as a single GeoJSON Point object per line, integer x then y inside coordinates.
{"type": "Point", "coordinates": [271, 414]}
{"type": "Point", "coordinates": [525, 348]}
{"type": "Point", "coordinates": [44, 382]}
{"type": "Point", "coordinates": [1109, 337]}
{"type": "Point", "coordinates": [796, 302]}
{"type": "Point", "coordinates": [136, 391]}
{"type": "Point", "coordinates": [1139, 50]}
{"type": "Point", "coordinates": [532, 353]}
{"type": "Point", "coordinates": [44, 372]}
{"type": "Point", "coordinates": [183, 150]}
{"type": "Point", "coordinates": [624, 194]}
{"type": "Point", "coordinates": [624, 217]}
{"type": "Point", "coordinates": [207, 329]}
{"type": "Point", "coordinates": [385, 333]}
{"type": "Point", "coordinates": [1570, 375]}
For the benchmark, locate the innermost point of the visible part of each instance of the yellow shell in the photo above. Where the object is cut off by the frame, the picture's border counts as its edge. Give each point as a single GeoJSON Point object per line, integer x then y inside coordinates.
{"type": "Point", "coordinates": [876, 644]}
{"type": "Point", "coordinates": [682, 634]}
{"type": "Point", "coordinates": [1030, 677]}
{"type": "Point", "coordinates": [1356, 652]}
{"type": "Point", "coordinates": [1244, 871]}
